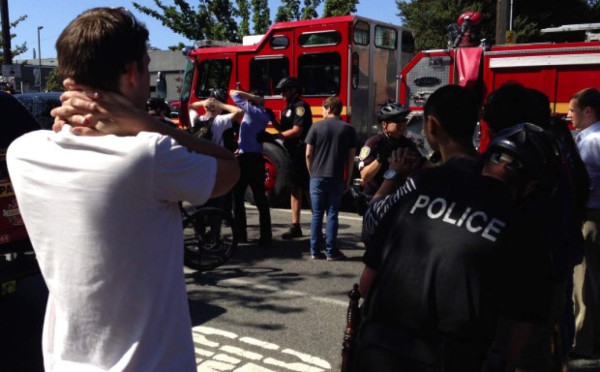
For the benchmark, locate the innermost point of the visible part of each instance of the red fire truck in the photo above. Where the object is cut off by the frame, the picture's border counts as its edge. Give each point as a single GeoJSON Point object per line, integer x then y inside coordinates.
{"type": "Point", "coordinates": [354, 58]}
{"type": "Point", "coordinates": [557, 69]}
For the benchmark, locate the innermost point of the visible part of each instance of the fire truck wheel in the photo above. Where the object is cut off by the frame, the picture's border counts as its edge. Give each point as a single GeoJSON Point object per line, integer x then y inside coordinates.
{"type": "Point", "coordinates": [277, 168]}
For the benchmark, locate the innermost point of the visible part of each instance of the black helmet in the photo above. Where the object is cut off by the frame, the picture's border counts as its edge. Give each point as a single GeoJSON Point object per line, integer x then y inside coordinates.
{"type": "Point", "coordinates": [158, 105]}
{"type": "Point", "coordinates": [533, 149]}
{"type": "Point", "coordinates": [219, 94]}
{"type": "Point", "coordinates": [392, 111]}
{"type": "Point", "coordinates": [288, 83]}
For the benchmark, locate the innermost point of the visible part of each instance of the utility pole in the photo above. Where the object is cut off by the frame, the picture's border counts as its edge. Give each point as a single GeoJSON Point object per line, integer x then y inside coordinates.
{"type": "Point", "coordinates": [5, 32]}
{"type": "Point", "coordinates": [502, 15]}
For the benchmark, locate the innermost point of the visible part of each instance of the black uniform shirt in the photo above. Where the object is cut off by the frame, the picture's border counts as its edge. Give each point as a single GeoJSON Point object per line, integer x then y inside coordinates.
{"type": "Point", "coordinates": [380, 146]}
{"type": "Point", "coordinates": [296, 113]}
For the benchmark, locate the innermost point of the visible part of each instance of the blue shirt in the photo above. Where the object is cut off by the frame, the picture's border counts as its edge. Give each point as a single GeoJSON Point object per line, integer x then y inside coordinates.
{"type": "Point", "coordinates": [255, 120]}
{"type": "Point", "coordinates": [588, 142]}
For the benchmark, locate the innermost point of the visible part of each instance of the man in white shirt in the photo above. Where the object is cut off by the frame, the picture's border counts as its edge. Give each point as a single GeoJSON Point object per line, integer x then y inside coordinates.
{"type": "Point", "coordinates": [100, 198]}
{"type": "Point", "coordinates": [584, 112]}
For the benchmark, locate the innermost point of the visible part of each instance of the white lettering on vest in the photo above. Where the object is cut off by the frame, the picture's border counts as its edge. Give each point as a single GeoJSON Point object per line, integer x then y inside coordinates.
{"type": "Point", "coordinates": [475, 222]}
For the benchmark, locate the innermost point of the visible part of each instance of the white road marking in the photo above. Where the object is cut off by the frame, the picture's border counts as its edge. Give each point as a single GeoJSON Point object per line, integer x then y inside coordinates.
{"type": "Point", "coordinates": [214, 331]}
{"type": "Point", "coordinates": [213, 365]}
{"type": "Point", "coordinates": [296, 367]}
{"type": "Point", "coordinates": [231, 356]}
{"type": "Point", "coordinates": [259, 343]}
{"type": "Point", "coordinates": [226, 359]}
{"type": "Point", "coordinates": [308, 358]}
{"type": "Point", "coordinates": [281, 291]}
{"type": "Point", "coordinates": [202, 340]}
{"type": "Point", "coordinates": [251, 367]}
{"type": "Point", "coordinates": [241, 352]}
{"type": "Point", "coordinates": [307, 212]}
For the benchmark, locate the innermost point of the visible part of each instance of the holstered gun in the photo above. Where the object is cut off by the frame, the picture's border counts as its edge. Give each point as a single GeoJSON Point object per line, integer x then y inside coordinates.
{"type": "Point", "coordinates": [352, 322]}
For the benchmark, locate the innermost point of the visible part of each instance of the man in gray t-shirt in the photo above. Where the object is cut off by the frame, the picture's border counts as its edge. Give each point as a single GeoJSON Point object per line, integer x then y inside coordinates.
{"type": "Point", "coordinates": [330, 150]}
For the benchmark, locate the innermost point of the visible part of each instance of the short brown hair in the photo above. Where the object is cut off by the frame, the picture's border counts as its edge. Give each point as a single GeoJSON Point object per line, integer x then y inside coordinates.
{"type": "Point", "coordinates": [334, 105]}
{"type": "Point", "coordinates": [96, 47]}
{"type": "Point", "coordinates": [589, 97]}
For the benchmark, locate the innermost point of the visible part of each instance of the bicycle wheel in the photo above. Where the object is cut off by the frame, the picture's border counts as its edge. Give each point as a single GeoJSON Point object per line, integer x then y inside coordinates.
{"type": "Point", "coordinates": [209, 239]}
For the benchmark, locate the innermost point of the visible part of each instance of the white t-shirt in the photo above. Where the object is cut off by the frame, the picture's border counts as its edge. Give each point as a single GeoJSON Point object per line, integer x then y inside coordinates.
{"type": "Point", "coordinates": [104, 222]}
{"type": "Point", "coordinates": [220, 124]}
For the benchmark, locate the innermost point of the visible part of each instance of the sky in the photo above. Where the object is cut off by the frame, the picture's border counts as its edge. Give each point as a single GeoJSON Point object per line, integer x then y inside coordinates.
{"type": "Point", "coordinates": [54, 15]}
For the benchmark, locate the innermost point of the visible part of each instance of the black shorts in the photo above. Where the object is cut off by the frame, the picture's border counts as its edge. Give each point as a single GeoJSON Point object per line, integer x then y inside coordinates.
{"type": "Point", "coordinates": [299, 176]}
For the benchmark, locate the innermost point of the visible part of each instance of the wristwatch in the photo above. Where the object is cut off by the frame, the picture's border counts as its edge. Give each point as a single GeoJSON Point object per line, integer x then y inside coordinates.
{"type": "Point", "coordinates": [392, 175]}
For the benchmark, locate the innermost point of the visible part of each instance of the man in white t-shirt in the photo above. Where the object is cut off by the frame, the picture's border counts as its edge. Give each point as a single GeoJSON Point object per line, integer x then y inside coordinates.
{"type": "Point", "coordinates": [99, 198]}
{"type": "Point", "coordinates": [217, 119]}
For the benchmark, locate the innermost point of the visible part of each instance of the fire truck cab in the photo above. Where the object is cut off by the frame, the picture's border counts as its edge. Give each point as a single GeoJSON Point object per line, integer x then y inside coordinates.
{"type": "Point", "coordinates": [557, 69]}
{"type": "Point", "coordinates": [354, 58]}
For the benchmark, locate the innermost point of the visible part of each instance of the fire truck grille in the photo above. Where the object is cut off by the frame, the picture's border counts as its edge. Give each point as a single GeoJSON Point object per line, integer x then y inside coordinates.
{"type": "Point", "coordinates": [429, 74]}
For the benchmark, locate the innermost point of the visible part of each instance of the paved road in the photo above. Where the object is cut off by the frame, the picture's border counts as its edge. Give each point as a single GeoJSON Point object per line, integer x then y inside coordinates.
{"type": "Point", "coordinates": [268, 309]}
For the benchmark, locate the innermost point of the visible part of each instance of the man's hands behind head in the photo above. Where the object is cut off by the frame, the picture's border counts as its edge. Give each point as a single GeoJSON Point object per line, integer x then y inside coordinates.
{"type": "Point", "coordinates": [93, 112]}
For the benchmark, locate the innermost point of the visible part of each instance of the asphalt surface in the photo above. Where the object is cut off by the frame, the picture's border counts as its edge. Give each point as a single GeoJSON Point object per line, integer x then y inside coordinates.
{"type": "Point", "coordinates": [268, 309]}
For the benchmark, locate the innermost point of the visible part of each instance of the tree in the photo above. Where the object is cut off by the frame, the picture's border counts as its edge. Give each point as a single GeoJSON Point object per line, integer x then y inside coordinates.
{"type": "Point", "coordinates": [339, 7]}
{"type": "Point", "coordinates": [16, 50]}
{"type": "Point", "coordinates": [211, 20]}
{"type": "Point", "coordinates": [261, 16]}
{"type": "Point", "coordinates": [54, 82]}
{"type": "Point", "coordinates": [290, 10]}
{"type": "Point", "coordinates": [429, 19]}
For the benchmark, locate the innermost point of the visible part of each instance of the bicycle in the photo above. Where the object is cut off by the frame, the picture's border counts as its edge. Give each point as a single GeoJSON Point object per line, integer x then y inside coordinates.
{"type": "Point", "coordinates": [210, 237]}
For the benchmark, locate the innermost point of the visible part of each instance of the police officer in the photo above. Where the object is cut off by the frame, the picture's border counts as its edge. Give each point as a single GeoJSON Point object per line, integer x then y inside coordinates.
{"type": "Point", "coordinates": [435, 303]}
{"type": "Point", "coordinates": [377, 149]}
{"type": "Point", "coordinates": [296, 120]}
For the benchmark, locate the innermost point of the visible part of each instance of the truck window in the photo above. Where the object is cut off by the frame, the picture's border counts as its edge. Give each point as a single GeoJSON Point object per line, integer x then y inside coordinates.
{"type": "Point", "coordinates": [321, 38]}
{"type": "Point", "coordinates": [279, 42]}
{"type": "Point", "coordinates": [385, 37]}
{"type": "Point", "coordinates": [265, 73]}
{"type": "Point", "coordinates": [320, 73]}
{"type": "Point", "coordinates": [212, 74]}
{"type": "Point", "coordinates": [361, 33]}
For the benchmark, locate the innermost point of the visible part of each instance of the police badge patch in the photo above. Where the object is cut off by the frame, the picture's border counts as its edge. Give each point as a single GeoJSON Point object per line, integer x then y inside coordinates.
{"type": "Point", "coordinates": [299, 111]}
{"type": "Point", "coordinates": [364, 152]}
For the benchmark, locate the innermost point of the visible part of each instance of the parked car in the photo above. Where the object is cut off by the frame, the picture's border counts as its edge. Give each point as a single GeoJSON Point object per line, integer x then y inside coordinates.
{"type": "Point", "coordinates": [39, 105]}
{"type": "Point", "coordinates": [17, 259]}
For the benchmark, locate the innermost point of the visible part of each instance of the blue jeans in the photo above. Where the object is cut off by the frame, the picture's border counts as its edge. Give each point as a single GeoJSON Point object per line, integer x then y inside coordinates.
{"type": "Point", "coordinates": [325, 195]}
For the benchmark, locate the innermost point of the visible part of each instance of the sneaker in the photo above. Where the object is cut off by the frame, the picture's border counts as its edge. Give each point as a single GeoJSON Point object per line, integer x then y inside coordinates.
{"type": "Point", "coordinates": [294, 232]}
{"type": "Point", "coordinates": [336, 256]}
{"type": "Point", "coordinates": [318, 256]}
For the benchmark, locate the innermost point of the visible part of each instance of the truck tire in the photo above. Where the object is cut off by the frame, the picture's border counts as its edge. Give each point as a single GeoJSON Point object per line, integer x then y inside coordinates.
{"type": "Point", "coordinates": [277, 167]}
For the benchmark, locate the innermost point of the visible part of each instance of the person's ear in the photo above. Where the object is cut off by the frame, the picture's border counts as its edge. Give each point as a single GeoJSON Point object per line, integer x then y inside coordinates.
{"type": "Point", "coordinates": [130, 77]}
{"type": "Point", "coordinates": [433, 126]}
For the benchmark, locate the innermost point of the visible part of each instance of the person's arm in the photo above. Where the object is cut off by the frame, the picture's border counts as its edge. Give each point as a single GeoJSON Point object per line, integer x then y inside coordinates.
{"type": "Point", "coordinates": [350, 166]}
{"type": "Point", "coordinates": [103, 113]}
{"type": "Point", "coordinates": [404, 163]}
{"type": "Point", "coordinates": [196, 105]}
{"type": "Point", "coordinates": [309, 156]}
{"type": "Point", "coordinates": [294, 132]}
{"type": "Point", "coordinates": [369, 171]}
{"type": "Point", "coordinates": [366, 280]}
{"type": "Point", "coordinates": [235, 112]}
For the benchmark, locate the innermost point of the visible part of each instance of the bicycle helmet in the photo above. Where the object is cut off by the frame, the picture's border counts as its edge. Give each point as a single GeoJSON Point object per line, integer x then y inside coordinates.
{"type": "Point", "coordinates": [534, 152]}
{"type": "Point", "coordinates": [288, 83]}
{"type": "Point", "coordinates": [158, 105]}
{"type": "Point", "coordinates": [219, 94]}
{"type": "Point", "coordinates": [392, 112]}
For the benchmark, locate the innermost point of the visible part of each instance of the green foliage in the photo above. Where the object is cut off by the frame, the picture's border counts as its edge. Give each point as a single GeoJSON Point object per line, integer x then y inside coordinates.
{"type": "Point", "coordinates": [16, 50]}
{"type": "Point", "coordinates": [261, 16]}
{"type": "Point", "coordinates": [429, 19]}
{"type": "Point", "coordinates": [339, 7]}
{"type": "Point", "coordinates": [54, 82]}
{"type": "Point", "coordinates": [230, 20]}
